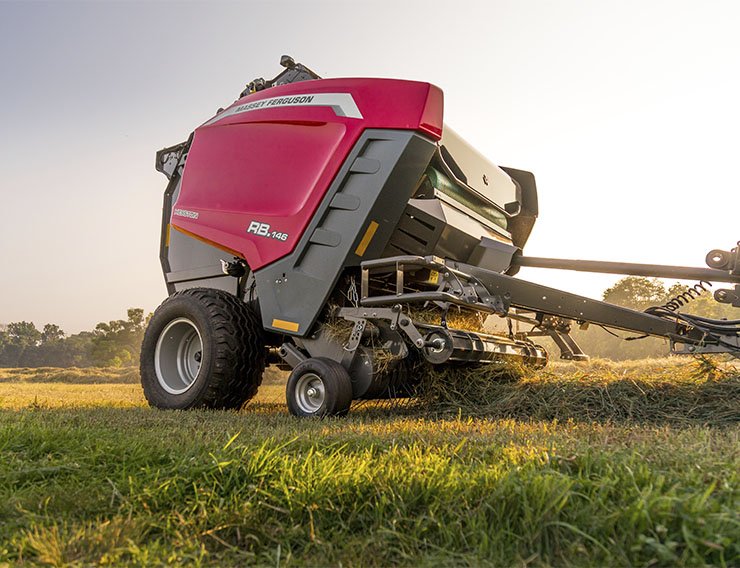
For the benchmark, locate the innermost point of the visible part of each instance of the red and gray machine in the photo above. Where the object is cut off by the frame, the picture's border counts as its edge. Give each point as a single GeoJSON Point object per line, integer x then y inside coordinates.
{"type": "Point", "coordinates": [314, 204]}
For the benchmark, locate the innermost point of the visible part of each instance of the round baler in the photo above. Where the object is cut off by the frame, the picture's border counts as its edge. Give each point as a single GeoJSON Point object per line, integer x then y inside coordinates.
{"type": "Point", "coordinates": [337, 228]}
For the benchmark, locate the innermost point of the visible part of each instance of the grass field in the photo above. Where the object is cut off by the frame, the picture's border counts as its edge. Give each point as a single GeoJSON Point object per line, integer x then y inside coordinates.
{"type": "Point", "coordinates": [603, 464]}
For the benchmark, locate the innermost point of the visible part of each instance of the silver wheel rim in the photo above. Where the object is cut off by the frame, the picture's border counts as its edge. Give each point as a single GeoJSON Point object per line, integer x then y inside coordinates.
{"type": "Point", "coordinates": [310, 393]}
{"type": "Point", "coordinates": [178, 355]}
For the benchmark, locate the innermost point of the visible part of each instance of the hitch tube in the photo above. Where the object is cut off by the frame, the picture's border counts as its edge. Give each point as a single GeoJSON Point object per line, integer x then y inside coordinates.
{"type": "Point", "coordinates": [628, 268]}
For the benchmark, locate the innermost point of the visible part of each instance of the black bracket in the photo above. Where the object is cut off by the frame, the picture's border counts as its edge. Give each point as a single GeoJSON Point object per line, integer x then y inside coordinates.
{"type": "Point", "coordinates": [727, 296]}
{"type": "Point", "coordinates": [725, 260]}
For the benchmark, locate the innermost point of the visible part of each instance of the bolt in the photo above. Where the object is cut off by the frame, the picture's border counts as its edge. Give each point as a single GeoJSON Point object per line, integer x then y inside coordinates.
{"type": "Point", "coordinates": [404, 321]}
{"type": "Point", "coordinates": [198, 356]}
{"type": "Point", "coordinates": [312, 392]}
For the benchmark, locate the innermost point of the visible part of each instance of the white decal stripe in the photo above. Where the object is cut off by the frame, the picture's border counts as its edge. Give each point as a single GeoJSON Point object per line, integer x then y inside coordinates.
{"type": "Point", "coordinates": [341, 103]}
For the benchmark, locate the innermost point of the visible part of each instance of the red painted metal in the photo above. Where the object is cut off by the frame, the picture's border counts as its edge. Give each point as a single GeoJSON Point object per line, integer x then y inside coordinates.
{"type": "Point", "coordinates": [273, 165]}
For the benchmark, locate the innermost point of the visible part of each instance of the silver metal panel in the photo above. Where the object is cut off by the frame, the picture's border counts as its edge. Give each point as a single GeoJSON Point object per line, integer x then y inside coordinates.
{"type": "Point", "coordinates": [480, 174]}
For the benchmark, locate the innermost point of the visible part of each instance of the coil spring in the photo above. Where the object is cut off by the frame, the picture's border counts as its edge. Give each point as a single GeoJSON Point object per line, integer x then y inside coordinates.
{"type": "Point", "coordinates": [691, 293]}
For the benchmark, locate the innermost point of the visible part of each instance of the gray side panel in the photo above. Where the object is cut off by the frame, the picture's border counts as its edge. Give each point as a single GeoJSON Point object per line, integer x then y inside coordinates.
{"type": "Point", "coordinates": [191, 259]}
{"type": "Point", "coordinates": [371, 190]}
{"type": "Point", "coordinates": [223, 282]}
{"type": "Point", "coordinates": [172, 189]}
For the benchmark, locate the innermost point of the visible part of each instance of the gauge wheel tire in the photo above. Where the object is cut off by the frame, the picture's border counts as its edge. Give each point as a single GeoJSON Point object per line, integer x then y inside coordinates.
{"type": "Point", "coordinates": [203, 348]}
{"type": "Point", "coordinates": [319, 387]}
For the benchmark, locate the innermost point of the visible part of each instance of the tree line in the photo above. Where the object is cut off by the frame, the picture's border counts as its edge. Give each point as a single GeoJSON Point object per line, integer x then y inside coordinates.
{"type": "Point", "coordinates": [117, 343]}
{"type": "Point", "coordinates": [112, 344]}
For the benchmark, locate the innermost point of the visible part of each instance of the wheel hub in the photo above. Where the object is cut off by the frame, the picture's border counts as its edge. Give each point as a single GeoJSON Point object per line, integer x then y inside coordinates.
{"type": "Point", "coordinates": [178, 356]}
{"type": "Point", "coordinates": [310, 393]}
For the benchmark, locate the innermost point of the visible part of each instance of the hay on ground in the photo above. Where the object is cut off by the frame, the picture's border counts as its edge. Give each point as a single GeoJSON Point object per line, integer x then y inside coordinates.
{"type": "Point", "coordinates": [671, 392]}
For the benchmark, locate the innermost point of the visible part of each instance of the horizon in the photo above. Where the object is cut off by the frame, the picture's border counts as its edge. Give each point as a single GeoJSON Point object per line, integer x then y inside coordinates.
{"type": "Point", "coordinates": [40, 324]}
{"type": "Point", "coordinates": [626, 114]}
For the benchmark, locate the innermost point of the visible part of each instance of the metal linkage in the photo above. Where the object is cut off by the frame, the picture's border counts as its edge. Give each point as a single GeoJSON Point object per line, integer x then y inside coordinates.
{"type": "Point", "coordinates": [725, 260]}
{"type": "Point", "coordinates": [490, 292]}
{"type": "Point", "coordinates": [730, 261]}
{"type": "Point", "coordinates": [557, 329]}
{"type": "Point", "coordinates": [727, 344]}
{"type": "Point", "coordinates": [726, 296]}
{"type": "Point", "coordinates": [398, 320]}
{"type": "Point", "coordinates": [455, 287]}
{"type": "Point", "coordinates": [439, 344]}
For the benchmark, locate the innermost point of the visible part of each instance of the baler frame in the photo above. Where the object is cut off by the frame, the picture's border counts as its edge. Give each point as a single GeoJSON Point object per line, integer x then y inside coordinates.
{"type": "Point", "coordinates": [381, 192]}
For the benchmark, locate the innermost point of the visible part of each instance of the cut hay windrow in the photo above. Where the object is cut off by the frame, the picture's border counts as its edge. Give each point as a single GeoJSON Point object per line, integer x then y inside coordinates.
{"type": "Point", "coordinates": [73, 375]}
{"type": "Point", "coordinates": [659, 391]}
{"type": "Point", "coordinates": [685, 393]}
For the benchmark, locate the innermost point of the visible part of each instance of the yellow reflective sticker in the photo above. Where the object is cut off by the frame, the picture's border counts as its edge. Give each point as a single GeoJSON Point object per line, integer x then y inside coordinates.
{"type": "Point", "coordinates": [286, 325]}
{"type": "Point", "coordinates": [369, 234]}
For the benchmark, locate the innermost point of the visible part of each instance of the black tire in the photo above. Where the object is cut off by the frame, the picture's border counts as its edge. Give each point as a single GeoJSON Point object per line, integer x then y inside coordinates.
{"type": "Point", "coordinates": [228, 370]}
{"type": "Point", "coordinates": [334, 380]}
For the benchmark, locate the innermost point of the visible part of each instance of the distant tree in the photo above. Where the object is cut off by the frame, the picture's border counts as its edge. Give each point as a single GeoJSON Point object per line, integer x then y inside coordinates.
{"type": "Point", "coordinates": [117, 342]}
{"type": "Point", "coordinates": [76, 350]}
{"type": "Point", "coordinates": [51, 333]}
{"type": "Point", "coordinates": [637, 293]}
{"type": "Point", "coordinates": [20, 340]}
{"type": "Point", "coordinates": [24, 333]}
{"type": "Point", "coordinates": [4, 342]}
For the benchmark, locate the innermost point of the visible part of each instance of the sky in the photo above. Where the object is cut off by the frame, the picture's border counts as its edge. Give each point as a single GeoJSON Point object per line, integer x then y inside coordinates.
{"type": "Point", "coordinates": [627, 112]}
